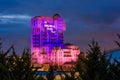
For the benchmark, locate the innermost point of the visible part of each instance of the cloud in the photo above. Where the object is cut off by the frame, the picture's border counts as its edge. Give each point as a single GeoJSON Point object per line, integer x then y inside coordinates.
{"type": "Point", "coordinates": [14, 18]}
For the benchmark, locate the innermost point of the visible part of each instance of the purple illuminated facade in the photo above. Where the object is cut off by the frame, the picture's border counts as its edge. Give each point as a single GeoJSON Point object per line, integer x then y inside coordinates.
{"type": "Point", "coordinates": [47, 45]}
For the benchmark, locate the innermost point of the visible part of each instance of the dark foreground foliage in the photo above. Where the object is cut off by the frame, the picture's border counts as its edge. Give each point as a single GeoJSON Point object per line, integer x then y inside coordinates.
{"type": "Point", "coordinates": [14, 67]}
{"type": "Point", "coordinates": [95, 66]}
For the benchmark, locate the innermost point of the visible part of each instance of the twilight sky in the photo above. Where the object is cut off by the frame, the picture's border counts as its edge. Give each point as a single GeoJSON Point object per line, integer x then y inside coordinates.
{"type": "Point", "coordinates": [85, 20]}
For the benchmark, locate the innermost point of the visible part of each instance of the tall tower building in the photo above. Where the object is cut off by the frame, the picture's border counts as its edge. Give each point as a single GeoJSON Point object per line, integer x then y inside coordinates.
{"type": "Point", "coordinates": [47, 33]}
{"type": "Point", "coordinates": [47, 42]}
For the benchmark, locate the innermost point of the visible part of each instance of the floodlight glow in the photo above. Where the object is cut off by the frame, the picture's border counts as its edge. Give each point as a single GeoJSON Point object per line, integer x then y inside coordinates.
{"type": "Point", "coordinates": [49, 27]}
{"type": "Point", "coordinates": [47, 44]}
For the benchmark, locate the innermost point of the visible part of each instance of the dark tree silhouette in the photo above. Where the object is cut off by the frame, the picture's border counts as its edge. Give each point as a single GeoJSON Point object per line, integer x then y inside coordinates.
{"type": "Point", "coordinates": [0, 44]}
{"type": "Point", "coordinates": [114, 71]}
{"type": "Point", "coordinates": [97, 63]}
{"type": "Point", "coordinates": [5, 74]}
{"type": "Point", "coordinates": [16, 67]}
{"type": "Point", "coordinates": [81, 66]}
{"type": "Point", "coordinates": [92, 60]}
{"type": "Point", "coordinates": [95, 66]}
{"type": "Point", "coordinates": [117, 42]}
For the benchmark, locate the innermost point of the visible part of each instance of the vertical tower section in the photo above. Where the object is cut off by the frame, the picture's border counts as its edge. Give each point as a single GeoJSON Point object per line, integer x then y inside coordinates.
{"type": "Point", "coordinates": [35, 36]}
{"type": "Point", "coordinates": [35, 40]}
{"type": "Point", "coordinates": [60, 28]}
{"type": "Point", "coordinates": [40, 39]}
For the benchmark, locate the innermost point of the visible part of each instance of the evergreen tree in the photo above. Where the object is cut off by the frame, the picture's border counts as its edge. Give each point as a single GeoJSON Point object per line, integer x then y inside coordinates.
{"type": "Point", "coordinates": [92, 61]}
{"type": "Point", "coordinates": [0, 45]}
{"type": "Point", "coordinates": [80, 65]}
{"type": "Point", "coordinates": [5, 74]}
{"type": "Point", "coordinates": [114, 70]}
{"type": "Point", "coordinates": [95, 66]}
{"type": "Point", "coordinates": [117, 42]}
{"type": "Point", "coordinates": [16, 67]}
{"type": "Point", "coordinates": [97, 63]}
